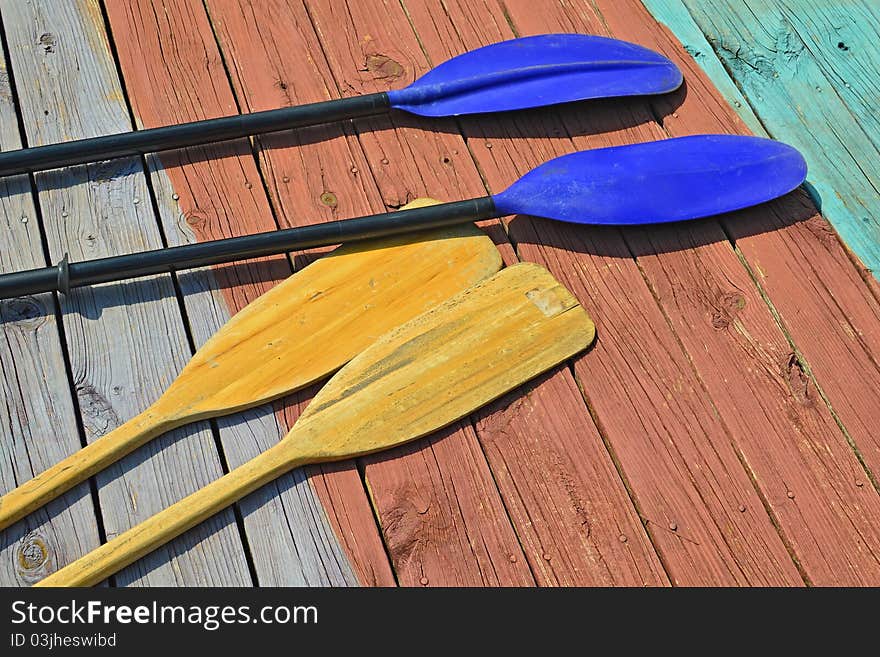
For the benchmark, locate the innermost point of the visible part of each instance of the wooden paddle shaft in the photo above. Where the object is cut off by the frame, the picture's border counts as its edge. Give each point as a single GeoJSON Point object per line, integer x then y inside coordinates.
{"type": "Point", "coordinates": [81, 465]}
{"type": "Point", "coordinates": [426, 374]}
{"type": "Point", "coordinates": [154, 532]}
{"type": "Point", "coordinates": [300, 331]}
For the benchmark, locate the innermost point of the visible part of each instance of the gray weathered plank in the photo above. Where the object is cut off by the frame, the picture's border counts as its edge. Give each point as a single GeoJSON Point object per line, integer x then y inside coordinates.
{"type": "Point", "coordinates": [37, 417]}
{"type": "Point", "coordinates": [275, 56]}
{"type": "Point", "coordinates": [173, 73]}
{"type": "Point", "coordinates": [290, 540]}
{"type": "Point", "coordinates": [126, 342]}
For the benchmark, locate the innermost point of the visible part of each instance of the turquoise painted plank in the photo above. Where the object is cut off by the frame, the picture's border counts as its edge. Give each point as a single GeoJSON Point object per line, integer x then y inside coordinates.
{"type": "Point", "coordinates": [808, 71]}
{"type": "Point", "coordinates": [677, 18]}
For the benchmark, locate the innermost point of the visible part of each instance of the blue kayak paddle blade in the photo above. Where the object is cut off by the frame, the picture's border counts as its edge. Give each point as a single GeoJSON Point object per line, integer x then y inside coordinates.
{"type": "Point", "coordinates": [536, 71]}
{"type": "Point", "coordinates": [656, 182]}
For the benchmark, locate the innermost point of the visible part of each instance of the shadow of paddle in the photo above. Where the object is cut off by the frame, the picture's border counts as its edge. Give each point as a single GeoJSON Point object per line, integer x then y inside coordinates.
{"type": "Point", "coordinates": [609, 241]}
{"type": "Point", "coordinates": [637, 241]}
{"type": "Point", "coordinates": [578, 118]}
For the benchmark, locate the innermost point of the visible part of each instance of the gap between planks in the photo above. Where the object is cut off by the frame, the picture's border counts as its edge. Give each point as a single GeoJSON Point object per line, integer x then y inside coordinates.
{"type": "Point", "coordinates": [211, 192]}
{"type": "Point", "coordinates": [626, 18]}
{"type": "Point", "coordinates": [60, 34]}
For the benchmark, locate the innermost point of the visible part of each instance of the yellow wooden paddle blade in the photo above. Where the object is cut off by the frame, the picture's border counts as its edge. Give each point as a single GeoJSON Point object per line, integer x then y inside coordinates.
{"type": "Point", "coordinates": [311, 324]}
{"type": "Point", "coordinates": [418, 378]}
{"type": "Point", "coordinates": [443, 365]}
{"type": "Point", "coordinates": [297, 333]}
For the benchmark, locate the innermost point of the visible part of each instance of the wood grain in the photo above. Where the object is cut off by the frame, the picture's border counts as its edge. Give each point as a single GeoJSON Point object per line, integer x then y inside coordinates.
{"type": "Point", "coordinates": [35, 398]}
{"type": "Point", "coordinates": [834, 325]}
{"type": "Point", "coordinates": [806, 470]}
{"type": "Point", "coordinates": [819, 294]}
{"type": "Point", "coordinates": [720, 308]}
{"type": "Point", "coordinates": [173, 73]}
{"type": "Point", "coordinates": [808, 71]}
{"type": "Point", "coordinates": [60, 48]}
{"type": "Point", "coordinates": [627, 379]}
{"type": "Point", "coordinates": [425, 374]}
{"type": "Point", "coordinates": [348, 186]}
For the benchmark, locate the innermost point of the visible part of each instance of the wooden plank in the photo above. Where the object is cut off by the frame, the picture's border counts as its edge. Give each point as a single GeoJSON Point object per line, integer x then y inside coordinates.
{"type": "Point", "coordinates": [125, 342]}
{"type": "Point", "coordinates": [660, 424]}
{"type": "Point", "coordinates": [561, 489]}
{"type": "Point", "coordinates": [471, 539]}
{"type": "Point", "coordinates": [173, 73]}
{"type": "Point", "coordinates": [808, 474]}
{"type": "Point", "coordinates": [821, 296]}
{"type": "Point", "coordinates": [720, 318]}
{"type": "Point", "coordinates": [578, 527]}
{"type": "Point", "coordinates": [808, 70]}
{"type": "Point", "coordinates": [36, 401]}
{"type": "Point", "coordinates": [675, 15]}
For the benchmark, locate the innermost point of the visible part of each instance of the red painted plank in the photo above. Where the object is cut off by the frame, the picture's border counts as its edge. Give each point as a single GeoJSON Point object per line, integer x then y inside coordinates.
{"type": "Point", "coordinates": [578, 527]}
{"type": "Point", "coordinates": [458, 533]}
{"type": "Point", "coordinates": [443, 521]}
{"type": "Point", "coordinates": [806, 472]}
{"type": "Point", "coordinates": [659, 422]}
{"type": "Point", "coordinates": [796, 256]}
{"type": "Point", "coordinates": [561, 489]}
{"type": "Point", "coordinates": [174, 73]}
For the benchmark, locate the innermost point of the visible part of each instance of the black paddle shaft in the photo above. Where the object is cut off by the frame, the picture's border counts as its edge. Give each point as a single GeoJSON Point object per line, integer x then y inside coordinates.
{"type": "Point", "coordinates": [170, 137]}
{"type": "Point", "coordinates": [65, 275]}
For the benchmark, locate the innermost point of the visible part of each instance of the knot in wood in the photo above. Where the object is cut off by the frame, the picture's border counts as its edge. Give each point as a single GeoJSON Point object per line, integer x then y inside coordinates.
{"type": "Point", "coordinates": [384, 67]}
{"type": "Point", "coordinates": [195, 218]}
{"type": "Point", "coordinates": [406, 523]}
{"type": "Point", "coordinates": [23, 312]}
{"type": "Point", "coordinates": [798, 381]}
{"type": "Point", "coordinates": [98, 415]}
{"type": "Point", "coordinates": [47, 40]}
{"type": "Point", "coordinates": [33, 558]}
{"type": "Point", "coordinates": [729, 305]}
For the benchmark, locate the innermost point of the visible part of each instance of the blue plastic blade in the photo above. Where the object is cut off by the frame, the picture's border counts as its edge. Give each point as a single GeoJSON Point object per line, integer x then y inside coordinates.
{"type": "Point", "coordinates": [536, 71]}
{"type": "Point", "coordinates": [655, 182]}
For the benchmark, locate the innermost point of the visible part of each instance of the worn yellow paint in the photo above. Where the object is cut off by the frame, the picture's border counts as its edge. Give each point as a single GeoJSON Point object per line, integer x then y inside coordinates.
{"type": "Point", "coordinates": [299, 332]}
{"type": "Point", "coordinates": [416, 379]}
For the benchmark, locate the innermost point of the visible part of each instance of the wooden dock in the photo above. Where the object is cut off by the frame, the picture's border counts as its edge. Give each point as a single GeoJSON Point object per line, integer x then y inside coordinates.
{"type": "Point", "coordinates": [722, 431]}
